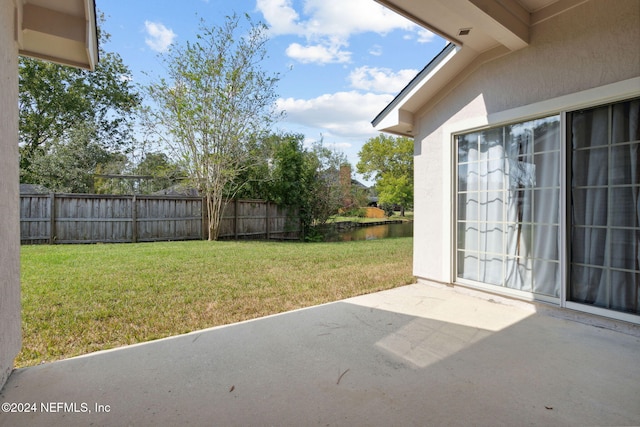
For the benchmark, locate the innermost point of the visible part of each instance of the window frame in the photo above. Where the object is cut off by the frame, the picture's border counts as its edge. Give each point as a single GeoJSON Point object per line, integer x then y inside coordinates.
{"type": "Point", "coordinates": [534, 224]}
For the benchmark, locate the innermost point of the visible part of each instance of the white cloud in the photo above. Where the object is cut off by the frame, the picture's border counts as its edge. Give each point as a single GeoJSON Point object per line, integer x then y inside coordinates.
{"type": "Point", "coordinates": [321, 54]}
{"type": "Point", "coordinates": [330, 18]}
{"type": "Point", "coordinates": [327, 25]}
{"type": "Point", "coordinates": [280, 15]}
{"type": "Point", "coordinates": [344, 18]}
{"type": "Point", "coordinates": [421, 35]}
{"type": "Point", "coordinates": [425, 36]}
{"type": "Point", "coordinates": [375, 50]}
{"type": "Point", "coordinates": [339, 146]}
{"type": "Point", "coordinates": [382, 80]}
{"type": "Point", "coordinates": [345, 114]}
{"type": "Point", "coordinates": [159, 37]}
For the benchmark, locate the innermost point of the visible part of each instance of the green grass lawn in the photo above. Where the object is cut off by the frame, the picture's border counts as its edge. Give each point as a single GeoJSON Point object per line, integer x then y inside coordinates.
{"type": "Point", "coordinates": [82, 298]}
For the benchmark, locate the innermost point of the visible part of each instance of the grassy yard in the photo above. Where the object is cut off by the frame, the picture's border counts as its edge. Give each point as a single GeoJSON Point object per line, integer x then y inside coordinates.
{"type": "Point", "coordinates": [82, 298]}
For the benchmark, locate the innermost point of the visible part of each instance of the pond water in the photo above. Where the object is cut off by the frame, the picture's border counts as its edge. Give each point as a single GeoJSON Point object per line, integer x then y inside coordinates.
{"type": "Point", "coordinates": [371, 232]}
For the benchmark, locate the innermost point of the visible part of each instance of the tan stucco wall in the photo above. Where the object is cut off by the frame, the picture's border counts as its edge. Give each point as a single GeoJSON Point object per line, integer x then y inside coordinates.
{"type": "Point", "coordinates": [590, 46]}
{"type": "Point", "coordinates": [10, 333]}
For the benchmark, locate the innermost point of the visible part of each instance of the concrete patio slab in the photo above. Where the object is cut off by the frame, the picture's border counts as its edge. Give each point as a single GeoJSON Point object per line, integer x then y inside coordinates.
{"type": "Point", "coordinates": [416, 355]}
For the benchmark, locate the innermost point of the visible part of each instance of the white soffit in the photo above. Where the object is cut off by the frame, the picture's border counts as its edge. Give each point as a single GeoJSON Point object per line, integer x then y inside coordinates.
{"type": "Point", "coordinates": [480, 29]}
{"type": "Point", "coordinates": [62, 31]}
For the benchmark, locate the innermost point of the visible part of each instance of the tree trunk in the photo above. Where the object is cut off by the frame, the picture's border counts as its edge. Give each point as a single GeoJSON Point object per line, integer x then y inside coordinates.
{"type": "Point", "coordinates": [215, 208]}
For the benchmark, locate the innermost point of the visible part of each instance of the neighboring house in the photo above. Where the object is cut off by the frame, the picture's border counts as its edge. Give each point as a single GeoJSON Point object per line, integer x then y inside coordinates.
{"type": "Point", "coordinates": [33, 189]}
{"type": "Point", "coordinates": [62, 31]}
{"type": "Point", "coordinates": [527, 150]}
{"type": "Point", "coordinates": [354, 192]}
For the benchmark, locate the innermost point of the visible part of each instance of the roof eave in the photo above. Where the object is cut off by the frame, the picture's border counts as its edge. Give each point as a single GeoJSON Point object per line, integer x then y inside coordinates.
{"type": "Point", "coordinates": [395, 119]}
{"type": "Point", "coordinates": [479, 31]}
{"type": "Point", "coordinates": [58, 35]}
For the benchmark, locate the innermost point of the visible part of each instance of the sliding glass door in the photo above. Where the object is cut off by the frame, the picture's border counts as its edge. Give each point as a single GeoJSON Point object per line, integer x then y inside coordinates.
{"type": "Point", "coordinates": [508, 210]}
{"type": "Point", "coordinates": [510, 232]}
{"type": "Point", "coordinates": [605, 206]}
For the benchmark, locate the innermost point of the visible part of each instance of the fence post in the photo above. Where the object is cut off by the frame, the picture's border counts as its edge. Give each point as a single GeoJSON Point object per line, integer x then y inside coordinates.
{"type": "Point", "coordinates": [134, 219]}
{"type": "Point", "coordinates": [235, 219]}
{"type": "Point", "coordinates": [52, 218]}
{"type": "Point", "coordinates": [267, 223]}
{"type": "Point", "coordinates": [205, 223]}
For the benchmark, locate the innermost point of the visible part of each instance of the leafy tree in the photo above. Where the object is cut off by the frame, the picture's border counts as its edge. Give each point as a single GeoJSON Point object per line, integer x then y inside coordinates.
{"type": "Point", "coordinates": [290, 176]}
{"type": "Point", "coordinates": [389, 160]}
{"type": "Point", "coordinates": [327, 193]}
{"type": "Point", "coordinates": [69, 166]}
{"type": "Point", "coordinates": [256, 180]}
{"type": "Point", "coordinates": [54, 100]}
{"type": "Point", "coordinates": [214, 105]}
{"type": "Point", "coordinates": [304, 179]}
{"type": "Point", "coordinates": [162, 172]}
{"type": "Point", "coordinates": [395, 190]}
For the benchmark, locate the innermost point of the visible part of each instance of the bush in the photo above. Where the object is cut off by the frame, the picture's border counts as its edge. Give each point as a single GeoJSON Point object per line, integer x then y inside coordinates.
{"type": "Point", "coordinates": [356, 212]}
{"type": "Point", "coordinates": [388, 209]}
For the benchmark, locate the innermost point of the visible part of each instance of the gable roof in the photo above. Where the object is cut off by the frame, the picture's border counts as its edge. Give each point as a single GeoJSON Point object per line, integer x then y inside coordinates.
{"type": "Point", "coordinates": [411, 87]}
{"type": "Point", "coordinates": [62, 31]}
{"type": "Point", "coordinates": [478, 31]}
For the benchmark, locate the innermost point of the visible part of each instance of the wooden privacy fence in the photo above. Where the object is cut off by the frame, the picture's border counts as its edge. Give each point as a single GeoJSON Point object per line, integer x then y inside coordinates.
{"type": "Point", "coordinates": [90, 218]}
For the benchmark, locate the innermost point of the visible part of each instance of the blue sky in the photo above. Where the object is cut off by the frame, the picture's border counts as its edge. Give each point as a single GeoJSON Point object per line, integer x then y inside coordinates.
{"type": "Point", "coordinates": [341, 61]}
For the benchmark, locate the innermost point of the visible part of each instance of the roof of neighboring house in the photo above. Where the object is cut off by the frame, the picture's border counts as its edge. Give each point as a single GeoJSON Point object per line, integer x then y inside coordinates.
{"type": "Point", "coordinates": [33, 189]}
{"type": "Point", "coordinates": [178, 190]}
{"type": "Point", "coordinates": [62, 31]}
{"type": "Point", "coordinates": [356, 183]}
{"type": "Point", "coordinates": [478, 31]}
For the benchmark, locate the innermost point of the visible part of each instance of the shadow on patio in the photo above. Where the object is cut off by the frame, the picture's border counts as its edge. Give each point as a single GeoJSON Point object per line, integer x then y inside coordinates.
{"type": "Point", "coordinates": [416, 355]}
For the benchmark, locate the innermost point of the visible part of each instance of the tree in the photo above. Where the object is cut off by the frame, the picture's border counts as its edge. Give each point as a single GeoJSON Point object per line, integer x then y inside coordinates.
{"type": "Point", "coordinates": [304, 179]}
{"type": "Point", "coordinates": [69, 166]}
{"type": "Point", "coordinates": [327, 193]}
{"type": "Point", "coordinates": [389, 160]}
{"type": "Point", "coordinates": [213, 106]}
{"type": "Point", "coordinates": [162, 172]}
{"type": "Point", "coordinates": [290, 176]}
{"type": "Point", "coordinates": [55, 99]}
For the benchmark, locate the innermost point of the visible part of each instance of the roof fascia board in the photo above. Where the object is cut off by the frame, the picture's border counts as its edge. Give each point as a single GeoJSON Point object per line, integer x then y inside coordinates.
{"type": "Point", "coordinates": [93, 53]}
{"type": "Point", "coordinates": [54, 59]}
{"type": "Point", "coordinates": [420, 79]}
{"type": "Point", "coordinates": [17, 25]}
{"type": "Point", "coordinates": [466, 63]}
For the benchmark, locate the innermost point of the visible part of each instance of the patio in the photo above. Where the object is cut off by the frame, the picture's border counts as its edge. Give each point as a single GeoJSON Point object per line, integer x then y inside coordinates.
{"type": "Point", "coordinates": [416, 355]}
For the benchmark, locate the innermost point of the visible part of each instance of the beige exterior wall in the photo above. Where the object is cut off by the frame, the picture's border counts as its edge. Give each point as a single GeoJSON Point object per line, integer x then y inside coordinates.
{"type": "Point", "coordinates": [590, 46]}
{"type": "Point", "coordinates": [10, 332]}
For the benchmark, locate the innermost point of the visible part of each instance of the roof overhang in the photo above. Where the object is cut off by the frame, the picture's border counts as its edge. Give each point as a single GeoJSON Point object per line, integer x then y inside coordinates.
{"type": "Point", "coordinates": [478, 31]}
{"type": "Point", "coordinates": [62, 31]}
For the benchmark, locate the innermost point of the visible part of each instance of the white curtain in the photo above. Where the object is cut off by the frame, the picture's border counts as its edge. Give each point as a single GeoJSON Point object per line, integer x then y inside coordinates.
{"type": "Point", "coordinates": [491, 178]}
{"type": "Point", "coordinates": [605, 258]}
{"type": "Point", "coordinates": [508, 206]}
{"type": "Point", "coordinates": [533, 169]}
